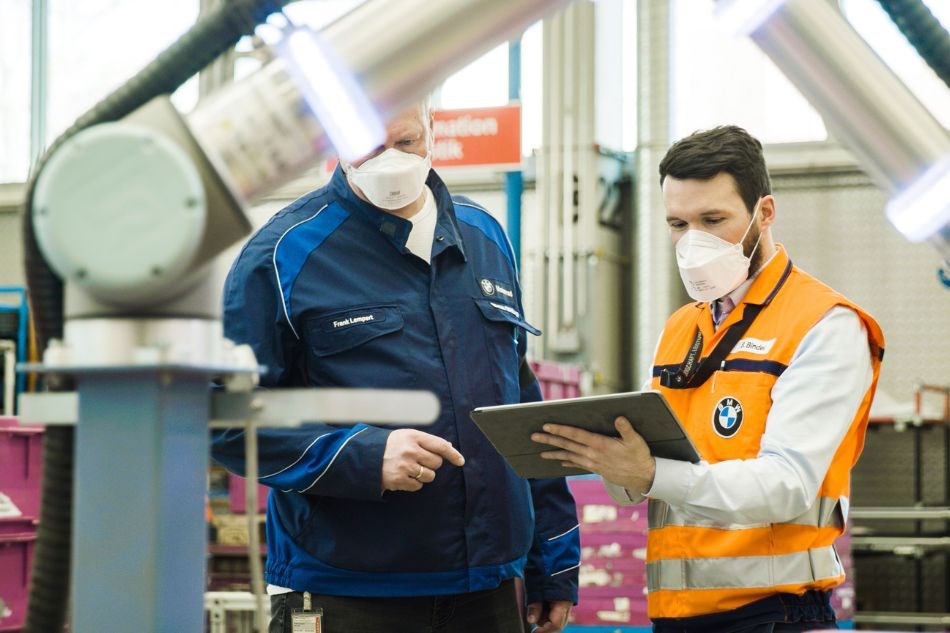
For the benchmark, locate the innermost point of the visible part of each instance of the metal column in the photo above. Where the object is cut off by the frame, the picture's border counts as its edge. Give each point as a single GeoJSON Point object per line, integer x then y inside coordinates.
{"type": "Point", "coordinates": [139, 530]}
{"type": "Point", "coordinates": [514, 180]}
{"type": "Point", "coordinates": [657, 289]}
{"type": "Point", "coordinates": [39, 53]}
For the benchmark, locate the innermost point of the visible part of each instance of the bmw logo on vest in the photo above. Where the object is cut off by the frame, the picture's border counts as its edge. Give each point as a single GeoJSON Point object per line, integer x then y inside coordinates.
{"type": "Point", "coordinates": [488, 287]}
{"type": "Point", "coordinates": [727, 418]}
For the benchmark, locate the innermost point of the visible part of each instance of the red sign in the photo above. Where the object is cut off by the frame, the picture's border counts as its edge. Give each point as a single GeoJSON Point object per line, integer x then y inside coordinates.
{"type": "Point", "coordinates": [478, 136]}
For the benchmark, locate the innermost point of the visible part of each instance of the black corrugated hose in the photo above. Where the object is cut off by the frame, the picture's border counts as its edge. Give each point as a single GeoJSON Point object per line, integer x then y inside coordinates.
{"type": "Point", "coordinates": [211, 36]}
{"type": "Point", "coordinates": [923, 31]}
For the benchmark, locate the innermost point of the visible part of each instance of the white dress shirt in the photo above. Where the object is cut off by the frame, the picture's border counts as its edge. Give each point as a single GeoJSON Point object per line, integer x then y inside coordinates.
{"type": "Point", "coordinates": [423, 228]}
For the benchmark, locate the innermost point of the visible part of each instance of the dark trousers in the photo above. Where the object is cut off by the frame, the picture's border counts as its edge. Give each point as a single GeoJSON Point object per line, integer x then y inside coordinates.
{"type": "Point", "coordinates": [493, 610]}
{"type": "Point", "coordinates": [781, 613]}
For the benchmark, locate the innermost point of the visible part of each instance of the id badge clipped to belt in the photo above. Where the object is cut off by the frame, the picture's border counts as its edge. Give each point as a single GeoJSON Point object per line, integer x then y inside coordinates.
{"type": "Point", "coordinates": [307, 620]}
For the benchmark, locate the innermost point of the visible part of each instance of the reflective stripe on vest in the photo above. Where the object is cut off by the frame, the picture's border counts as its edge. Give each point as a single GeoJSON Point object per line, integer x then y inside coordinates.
{"type": "Point", "coordinates": [823, 513]}
{"type": "Point", "coordinates": [799, 568]}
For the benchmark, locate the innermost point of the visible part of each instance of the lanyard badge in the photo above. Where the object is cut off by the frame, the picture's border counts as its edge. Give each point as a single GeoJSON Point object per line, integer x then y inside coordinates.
{"type": "Point", "coordinates": [681, 377]}
{"type": "Point", "coordinates": [308, 619]}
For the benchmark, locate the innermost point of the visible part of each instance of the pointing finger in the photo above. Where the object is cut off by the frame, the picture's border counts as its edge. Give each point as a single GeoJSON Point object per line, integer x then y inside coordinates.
{"type": "Point", "coordinates": [441, 447]}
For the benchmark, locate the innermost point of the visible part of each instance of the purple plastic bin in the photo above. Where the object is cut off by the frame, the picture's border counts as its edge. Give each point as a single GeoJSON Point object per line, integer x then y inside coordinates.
{"type": "Point", "coordinates": [21, 464]}
{"type": "Point", "coordinates": [236, 500]}
{"type": "Point", "coordinates": [17, 537]}
{"type": "Point", "coordinates": [558, 381]}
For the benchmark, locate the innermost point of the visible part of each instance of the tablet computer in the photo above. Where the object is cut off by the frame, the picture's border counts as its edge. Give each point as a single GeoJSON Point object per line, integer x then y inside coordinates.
{"type": "Point", "coordinates": [509, 428]}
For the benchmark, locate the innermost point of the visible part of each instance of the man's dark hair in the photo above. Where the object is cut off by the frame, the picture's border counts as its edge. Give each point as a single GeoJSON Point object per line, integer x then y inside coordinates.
{"type": "Point", "coordinates": [727, 148]}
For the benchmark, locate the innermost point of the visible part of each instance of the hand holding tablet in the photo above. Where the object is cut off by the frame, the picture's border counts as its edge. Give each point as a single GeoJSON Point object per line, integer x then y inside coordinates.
{"type": "Point", "coordinates": [510, 429]}
{"type": "Point", "coordinates": [625, 460]}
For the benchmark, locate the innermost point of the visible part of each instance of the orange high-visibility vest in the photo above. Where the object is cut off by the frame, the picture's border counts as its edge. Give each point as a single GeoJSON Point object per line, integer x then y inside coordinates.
{"type": "Point", "coordinates": [695, 567]}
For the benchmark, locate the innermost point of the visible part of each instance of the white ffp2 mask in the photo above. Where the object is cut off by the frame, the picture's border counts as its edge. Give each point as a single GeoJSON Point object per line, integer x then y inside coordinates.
{"type": "Point", "coordinates": [711, 267]}
{"type": "Point", "coordinates": [391, 180]}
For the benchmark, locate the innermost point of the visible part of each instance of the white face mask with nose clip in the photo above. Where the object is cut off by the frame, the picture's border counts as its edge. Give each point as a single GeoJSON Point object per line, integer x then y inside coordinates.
{"type": "Point", "coordinates": [391, 180]}
{"type": "Point", "coordinates": [711, 267]}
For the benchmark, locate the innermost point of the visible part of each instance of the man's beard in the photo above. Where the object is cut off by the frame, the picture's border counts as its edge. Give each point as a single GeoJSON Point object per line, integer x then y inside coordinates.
{"type": "Point", "coordinates": [748, 244]}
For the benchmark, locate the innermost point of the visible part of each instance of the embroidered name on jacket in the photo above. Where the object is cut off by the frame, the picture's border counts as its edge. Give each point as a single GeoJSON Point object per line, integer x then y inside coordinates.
{"type": "Point", "coordinates": [369, 316]}
{"type": "Point", "coordinates": [353, 320]}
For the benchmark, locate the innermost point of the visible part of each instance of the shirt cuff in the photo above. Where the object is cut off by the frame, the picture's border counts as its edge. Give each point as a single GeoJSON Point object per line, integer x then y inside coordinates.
{"type": "Point", "coordinates": [621, 495]}
{"type": "Point", "coordinates": [673, 481]}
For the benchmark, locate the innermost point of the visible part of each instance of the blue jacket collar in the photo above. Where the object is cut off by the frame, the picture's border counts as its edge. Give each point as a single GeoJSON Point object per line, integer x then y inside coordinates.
{"type": "Point", "coordinates": [447, 234]}
{"type": "Point", "coordinates": [396, 229]}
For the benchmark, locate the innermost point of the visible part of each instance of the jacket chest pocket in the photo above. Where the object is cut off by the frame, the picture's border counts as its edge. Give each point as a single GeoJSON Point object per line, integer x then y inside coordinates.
{"type": "Point", "coordinates": [501, 327]}
{"type": "Point", "coordinates": [359, 346]}
{"type": "Point", "coordinates": [728, 414]}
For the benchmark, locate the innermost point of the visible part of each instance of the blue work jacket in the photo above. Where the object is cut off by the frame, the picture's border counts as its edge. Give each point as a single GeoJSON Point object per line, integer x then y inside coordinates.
{"type": "Point", "coordinates": [327, 294]}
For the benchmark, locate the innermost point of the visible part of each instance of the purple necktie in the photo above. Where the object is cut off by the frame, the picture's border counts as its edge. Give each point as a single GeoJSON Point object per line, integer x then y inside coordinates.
{"type": "Point", "coordinates": [721, 309]}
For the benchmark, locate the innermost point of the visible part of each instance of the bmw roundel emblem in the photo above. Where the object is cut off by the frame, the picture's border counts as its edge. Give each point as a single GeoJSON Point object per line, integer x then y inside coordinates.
{"type": "Point", "coordinates": [727, 418]}
{"type": "Point", "coordinates": [487, 287]}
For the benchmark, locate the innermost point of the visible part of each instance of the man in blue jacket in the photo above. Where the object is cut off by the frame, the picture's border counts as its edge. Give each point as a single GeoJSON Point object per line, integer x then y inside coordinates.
{"type": "Point", "coordinates": [383, 279]}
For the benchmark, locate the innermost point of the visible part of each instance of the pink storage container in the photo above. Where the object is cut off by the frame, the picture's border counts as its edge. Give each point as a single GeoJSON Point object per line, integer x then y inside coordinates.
{"type": "Point", "coordinates": [21, 465]}
{"type": "Point", "coordinates": [597, 512]}
{"type": "Point", "coordinates": [589, 488]}
{"type": "Point", "coordinates": [17, 538]}
{"type": "Point", "coordinates": [629, 559]}
{"type": "Point", "coordinates": [236, 500]}
{"type": "Point", "coordinates": [612, 584]}
{"type": "Point", "coordinates": [558, 380]}
{"type": "Point", "coordinates": [613, 557]}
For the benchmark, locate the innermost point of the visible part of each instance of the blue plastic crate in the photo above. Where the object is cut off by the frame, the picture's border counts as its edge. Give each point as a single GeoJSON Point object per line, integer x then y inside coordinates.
{"type": "Point", "coordinates": [23, 329]}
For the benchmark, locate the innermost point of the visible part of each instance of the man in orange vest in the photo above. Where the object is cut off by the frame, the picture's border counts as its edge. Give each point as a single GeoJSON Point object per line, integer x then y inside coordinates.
{"type": "Point", "coordinates": [772, 374]}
